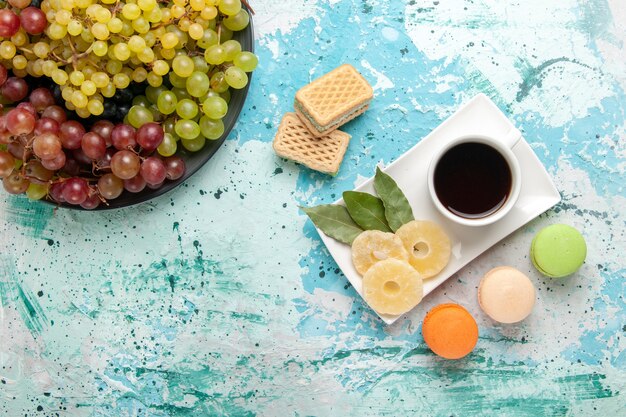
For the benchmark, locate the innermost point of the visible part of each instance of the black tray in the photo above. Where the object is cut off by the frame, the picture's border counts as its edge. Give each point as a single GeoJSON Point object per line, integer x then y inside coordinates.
{"type": "Point", "coordinates": [193, 160]}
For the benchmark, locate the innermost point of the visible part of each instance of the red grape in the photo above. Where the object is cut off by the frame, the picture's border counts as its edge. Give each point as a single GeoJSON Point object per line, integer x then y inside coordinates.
{"type": "Point", "coordinates": [125, 164]}
{"type": "Point", "coordinates": [91, 202]}
{"type": "Point", "coordinates": [71, 134]}
{"type": "Point", "coordinates": [93, 145]}
{"type": "Point", "coordinates": [123, 137]}
{"type": "Point", "coordinates": [55, 112]}
{"type": "Point", "coordinates": [20, 121]}
{"type": "Point", "coordinates": [9, 23]}
{"type": "Point", "coordinates": [28, 107]}
{"type": "Point", "coordinates": [20, 4]}
{"type": "Point", "coordinates": [55, 163]}
{"type": "Point", "coordinates": [3, 123]}
{"type": "Point", "coordinates": [175, 167]}
{"type": "Point", "coordinates": [15, 183]}
{"type": "Point", "coordinates": [47, 146]}
{"type": "Point", "coordinates": [71, 167]}
{"type": "Point", "coordinates": [154, 186]}
{"type": "Point", "coordinates": [153, 170]}
{"type": "Point", "coordinates": [81, 157]}
{"type": "Point", "coordinates": [135, 184]}
{"type": "Point", "coordinates": [7, 163]}
{"type": "Point", "coordinates": [110, 186]}
{"type": "Point", "coordinates": [36, 171]}
{"type": "Point", "coordinates": [16, 148]}
{"type": "Point", "coordinates": [105, 162]}
{"type": "Point", "coordinates": [4, 74]}
{"type": "Point", "coordinates": [46, 124]}
{"type": "Point", "coordinates": [41, 99]}
{"type": "Point", "coordinates": [33, 20]}
{"type": "Point", "coordinates": [150, 136]}
{"type": "Point", "coordinates": [5, 137]}
{"type": "Point", "coordinates": [75, 191]}
{"type": "Point", "coordinates": [14, 89]}
{"type": "Point", "coordinates": [104, 129]}
{"type": "Point", "coordinates": [56, 192]}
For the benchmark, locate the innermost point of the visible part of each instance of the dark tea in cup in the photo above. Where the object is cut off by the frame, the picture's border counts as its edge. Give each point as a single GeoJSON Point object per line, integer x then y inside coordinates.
{"type": "Point", "coordinates": [472, 180]}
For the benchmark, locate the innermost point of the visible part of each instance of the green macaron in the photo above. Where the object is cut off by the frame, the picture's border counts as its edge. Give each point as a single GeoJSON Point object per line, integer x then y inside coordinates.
{"type": "Point", "coordinates": [558, 250]}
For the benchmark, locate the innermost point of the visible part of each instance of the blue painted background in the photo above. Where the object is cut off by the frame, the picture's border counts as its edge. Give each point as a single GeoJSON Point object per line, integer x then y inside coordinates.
{"type": "Point", "coordinates": [219, 298]}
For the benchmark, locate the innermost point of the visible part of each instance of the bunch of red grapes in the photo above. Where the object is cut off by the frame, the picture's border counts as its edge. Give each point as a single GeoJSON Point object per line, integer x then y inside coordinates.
{"type": "Point", "coordinates": [48, 156]}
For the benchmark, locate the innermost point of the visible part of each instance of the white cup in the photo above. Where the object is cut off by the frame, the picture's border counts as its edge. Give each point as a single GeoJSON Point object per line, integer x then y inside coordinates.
{"type": "Point", "coordinates": [501, 144]}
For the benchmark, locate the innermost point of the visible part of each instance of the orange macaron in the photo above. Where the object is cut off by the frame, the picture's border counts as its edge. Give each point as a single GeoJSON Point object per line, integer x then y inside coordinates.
{"type": "Point", "coordinates": [450, 331]}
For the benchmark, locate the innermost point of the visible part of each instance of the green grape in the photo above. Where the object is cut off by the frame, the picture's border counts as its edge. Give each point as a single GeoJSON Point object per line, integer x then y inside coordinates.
{"type": "Point", "coordinates": [99, 31]}
{"type": "Point", "coordinates": [160, 67]}
{"type": "Point", "coordinates": [88, 87]}
{"type": "Point", "coordinates": [196, 31]}
{"type": "Point", "coordinates": [74, 28]}
{"type": "Point", "coordinates": [100, 79]}
{"type": "Point", "coordinates": [245, 60]}
{"type": "Point", "coordinates": [141, 25]}
{"type": "Point", "coordinates": [168, 145]}
{"type": "Point", "coordinates": [177, 81]}
{"type": "Point", "coordinates": [169, 40]}
{"type": "Point", "coordinates": [59, 76]}
{"type": "Point", "coordinates": [146, 55]}
{"type": "Point", "coordinates": [77, 77]}
{"type": "Point", "coordinates": [218, 82]}
{"type": "Point", "coordinates": [198, 84]}
{"type": "Point", "coordinates": [211, 129]}
{"type": "Point", "coordinates": [95, 107]}
{"type": "Point", "coordinates": [231, 49]}
{"type": "Point", "coordinates": [79, 99]}
{"type": "Point", "coordinates": [121, 80]}
{"type": "Point", "coordinates": [131, 11]}
{"type": "Point", "coordinates": [183, 66]}
{"type": "Point", "coordinates": [167, 102]}
{"type": "Point", "coordinates": [136, 43]}
{"type": "Point", "coordinates": [200, 64]}
{"type": "Point", "coordinates": [154, 80]}
{"type": "Point", "coordinates": [146, 5]}
{"type": "Point", "coordinates": [193, 145]}
{"type": "Point", "coordinates": [168, 125]}
{"type": "Point", "coordinates": [181, 93]}
{"type": "Point", "coordinates": [215, 107]}
{"type": "Point", "coordinates": [238, 21]}
{"type": "Point", "coordinates": [113, 67]}
{"type": "Point", "coordinates": [187, 129]}
{"type": "Point", "coordinates": [236, 77]}
{"type": "Point", "coordinates": [152, 93]}
{"type": "Point", "coordinates": [121, 51]}
{"type": "Point", "coordinates": [115, 25]}
{"type": "Point", "coordinates": [108, 91]}
{"type": "Point", "coordinates": [138, 116]}
{"type": "Point", "coordinates": [230, 7]}
{"type": "Point", "coordinates": [100, 48]}
{"type": "Point", "coordinates": [139, 75]}
{"type": "Point", "coordinates": [141, 101]}
{"type": "Point", "coordinates": [36, 191]}
{"type": "Point", "coordinates": [187, 109]}
{"type": "Point", "coordinates": [209, 38]}
{"type": "Point", "coordinates": [215, 55]}
{"type": "Point", "coordinates": [226, 34]}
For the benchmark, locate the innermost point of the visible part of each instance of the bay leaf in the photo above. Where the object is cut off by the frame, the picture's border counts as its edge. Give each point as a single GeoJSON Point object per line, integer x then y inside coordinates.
{"type": "Point", "coordinates": [366, 210]}
{"type": "Point", "coordinates": [334, 221]}
{"type": "Point", "coordinates": [398, 211]}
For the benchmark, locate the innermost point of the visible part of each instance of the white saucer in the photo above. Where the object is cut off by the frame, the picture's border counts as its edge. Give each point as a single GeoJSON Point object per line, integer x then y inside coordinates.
{"type": "Point", "coordinates": [479, 116]}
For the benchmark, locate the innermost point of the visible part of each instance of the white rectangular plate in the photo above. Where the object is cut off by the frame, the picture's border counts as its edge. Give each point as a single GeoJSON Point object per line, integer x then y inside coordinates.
{"type": "Point", "coordinates": [479, 116]}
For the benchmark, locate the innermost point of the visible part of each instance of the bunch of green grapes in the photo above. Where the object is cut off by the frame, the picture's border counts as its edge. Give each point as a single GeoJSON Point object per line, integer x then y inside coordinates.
{"type": "Point", "coordinates": [93, 48]}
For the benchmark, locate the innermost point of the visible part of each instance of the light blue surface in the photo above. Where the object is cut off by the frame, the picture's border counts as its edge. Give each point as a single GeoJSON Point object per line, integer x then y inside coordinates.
{"type": "Point", "coordinates": [219, 298]}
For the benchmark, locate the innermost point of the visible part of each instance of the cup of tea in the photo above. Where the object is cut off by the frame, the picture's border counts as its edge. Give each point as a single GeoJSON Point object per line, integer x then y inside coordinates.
{"type": "Point", "coordinates": [475, 180]}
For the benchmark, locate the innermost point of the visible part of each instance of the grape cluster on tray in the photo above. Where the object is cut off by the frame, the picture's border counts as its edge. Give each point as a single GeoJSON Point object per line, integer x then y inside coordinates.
{"type": "Point", "coordinates": [98, 96]}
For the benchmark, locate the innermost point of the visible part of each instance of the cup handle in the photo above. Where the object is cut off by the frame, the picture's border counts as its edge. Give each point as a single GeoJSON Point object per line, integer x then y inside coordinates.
{"type": "Point", "coordinates": [512, 137]}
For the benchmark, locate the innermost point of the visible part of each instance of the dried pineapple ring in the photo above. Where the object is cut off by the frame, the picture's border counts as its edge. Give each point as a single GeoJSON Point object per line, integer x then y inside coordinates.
{"type": "Point", "coordinates": [373, 246]}
{"type": "Point", "coordinates": [392, 287]}
{"type": "Point", "coordinates": [428, 246]}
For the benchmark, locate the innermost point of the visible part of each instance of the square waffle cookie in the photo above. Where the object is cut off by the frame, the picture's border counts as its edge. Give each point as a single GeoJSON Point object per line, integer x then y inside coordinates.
{"type": "Point", "coordinates": [294, 141]}
{"type": "Point", "coordinates": [333, 100]}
